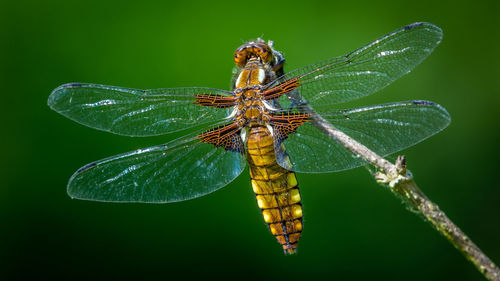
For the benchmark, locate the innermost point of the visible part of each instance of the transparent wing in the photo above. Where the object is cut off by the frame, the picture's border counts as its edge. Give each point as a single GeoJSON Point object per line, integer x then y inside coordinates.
{"type": "Point", "coordinates": [364, 71]}
{"type": "Point", "coordinates": [133, 112]}
{"type": "Point", "coordinates": [176, 171]}
{"type": "Point", "coordinates": [385, 129]}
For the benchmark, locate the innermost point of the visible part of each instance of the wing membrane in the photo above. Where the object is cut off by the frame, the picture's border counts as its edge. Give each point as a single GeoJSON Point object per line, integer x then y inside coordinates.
{"type": "Point", "coordinates": [133, 112]}
{"type": "Point", "coordinates": [176, 171]}
{"type": "Point", "coordinates": [364, 71]}
{"type": "Point", "coordinates": [385, 129]}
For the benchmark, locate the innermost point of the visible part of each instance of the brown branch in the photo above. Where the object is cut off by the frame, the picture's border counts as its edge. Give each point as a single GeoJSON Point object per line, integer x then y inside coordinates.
{"type": "Point", "coordinates": [401, 183]}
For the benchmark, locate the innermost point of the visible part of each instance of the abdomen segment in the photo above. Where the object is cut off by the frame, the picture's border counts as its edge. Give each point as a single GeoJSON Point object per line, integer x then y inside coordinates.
{"type": "Point", "coordinates": [276, 190]}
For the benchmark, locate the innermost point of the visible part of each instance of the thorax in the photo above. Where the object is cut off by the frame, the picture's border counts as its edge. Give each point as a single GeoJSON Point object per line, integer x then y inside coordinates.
{"type": "Point", "coordinates": [251, 109]}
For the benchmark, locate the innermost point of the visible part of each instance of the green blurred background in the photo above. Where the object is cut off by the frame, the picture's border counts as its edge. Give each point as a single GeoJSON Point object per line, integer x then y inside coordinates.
{"type": "Point", "coordinates": [354, 229]}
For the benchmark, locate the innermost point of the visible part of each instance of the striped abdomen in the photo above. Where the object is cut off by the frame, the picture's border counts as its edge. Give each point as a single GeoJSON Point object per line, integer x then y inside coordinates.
{"type": "Point", "coordinates": [275, 188]}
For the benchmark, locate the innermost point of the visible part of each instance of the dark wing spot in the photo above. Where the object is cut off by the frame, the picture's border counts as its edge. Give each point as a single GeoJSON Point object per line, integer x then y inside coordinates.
{"type": "Point", "coordinates": [423, 102]}
{"type": "Point", "coordinates": [413, 25]}
{"type": "Point", "coordinates": [72, 85]}
{"type": "Point", "coordinates": [87, 167]}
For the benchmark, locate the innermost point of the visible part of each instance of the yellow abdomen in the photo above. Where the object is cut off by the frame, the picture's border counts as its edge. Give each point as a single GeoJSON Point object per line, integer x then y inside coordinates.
{"type": "Point", "coordinates": [275, 188]}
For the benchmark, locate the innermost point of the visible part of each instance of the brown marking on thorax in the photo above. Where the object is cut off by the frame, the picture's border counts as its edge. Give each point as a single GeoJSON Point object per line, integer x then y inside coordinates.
{"type": "Point", "coordinates": [250, 105]}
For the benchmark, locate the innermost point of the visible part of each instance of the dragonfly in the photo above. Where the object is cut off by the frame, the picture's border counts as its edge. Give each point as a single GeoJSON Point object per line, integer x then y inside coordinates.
{"type": "Point", "coordinates": [261, 123]}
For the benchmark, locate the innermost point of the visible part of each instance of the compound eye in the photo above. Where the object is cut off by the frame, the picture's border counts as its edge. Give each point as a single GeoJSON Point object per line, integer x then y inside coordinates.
{"type": "Point", "coordinates": [240, 57]}
{"type": "Point", "coordinates": [252, 50]}
{"type": "Point", "coordinates": [264, 53]}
